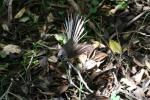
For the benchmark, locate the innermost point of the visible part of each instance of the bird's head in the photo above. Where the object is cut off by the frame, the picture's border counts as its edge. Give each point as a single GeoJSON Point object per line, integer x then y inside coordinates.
{"type": "Point", "coordinates": [62, 55]}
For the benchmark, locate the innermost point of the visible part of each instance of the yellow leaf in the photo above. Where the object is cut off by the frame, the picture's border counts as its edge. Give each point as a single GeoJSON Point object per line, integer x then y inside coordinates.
{"type": "Point", "coordinates": [115, 46]}
{"type": "Point", "coordinates": [20, 13]}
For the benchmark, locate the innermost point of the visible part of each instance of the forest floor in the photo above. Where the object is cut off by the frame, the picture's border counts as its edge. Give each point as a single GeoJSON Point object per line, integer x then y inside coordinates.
{"type": "Point", "coordinates": [32, 32]}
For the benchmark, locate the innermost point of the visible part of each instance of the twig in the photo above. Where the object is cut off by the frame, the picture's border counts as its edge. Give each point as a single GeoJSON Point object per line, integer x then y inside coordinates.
{"type": "Point", "coordinates": [137, 17]}
{"type": "Point", "coordinates": [72, 83]}
{"type": "Point", "coordinates": [59, 6]}
{"type": "Point", "coordinates": [75, 6]}
{"type": "Point", "coordinates": [143, 34]}
{"type": "Point", "coordinates": [50, 48]}
{"type": "Point", "coordinates": [17, 96]}
{"type": "Point", "coordinates": [100, 4]}
{"type": "Point", "coordinates": [81, 79]}
{"type": "Point", "coordinates": [7, 91]}
{"type": "Point", "coordinates": [30, 62]}
{"type": "Point", "coordinates": [10, 10]}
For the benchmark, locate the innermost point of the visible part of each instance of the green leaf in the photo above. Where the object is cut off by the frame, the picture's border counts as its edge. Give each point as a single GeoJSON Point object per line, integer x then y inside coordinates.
{"type": "Point", "coordinates": [93, 10]}
{"type": "Point", "coordinates": [61, 38]}
{"type": "Point", "coordinates": [24, 19]}
{"type": "Point", "coordinates": [3, 54]}
{"type": "Point", "coordinates": [122, 6]}
{"type": "Point", "coordinates": [3, 66]}
{"type": "Point", "coordinates": [115, 46]}
{"type": "Point", "coordinates": [35, 18]}
{"type": "Point", "coordinates": [94, 2]}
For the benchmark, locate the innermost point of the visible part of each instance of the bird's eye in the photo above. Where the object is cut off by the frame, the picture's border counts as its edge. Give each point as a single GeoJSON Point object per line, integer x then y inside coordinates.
{"type": "Point", "coordinates": [61, 56]}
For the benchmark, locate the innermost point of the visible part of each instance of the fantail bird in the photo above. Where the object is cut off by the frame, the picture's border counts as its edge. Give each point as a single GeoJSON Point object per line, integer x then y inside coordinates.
{"type": "Point", "coordinates": [74, 29]}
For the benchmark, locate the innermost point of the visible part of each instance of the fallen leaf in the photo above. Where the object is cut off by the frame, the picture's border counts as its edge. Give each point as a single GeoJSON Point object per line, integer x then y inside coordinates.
{"type": "Point", "coordinates": [147, 63]}
{"type": "Point", "coordinates": [11, 48]}
{"type": "Point", "coordinates": [138, 77]}
{"type": "Point", "coordinates": [24, 19]}
{"type": "Point", "coordinates": [96, 44]}
{"type": "Point", "coordinates": [133, 70]}
{"type": "Point", "coordinates": [148, 93]}
{"type": "Point", "coordinates": [122, 6]}
{"type": "Point", "coordinates": [61, 38]}
{"type": "Point", "coordinates": [100, 56]}
{"type": "Point", "coordinates": [5, 27]}
{"type": "Point", "coordinates": [52, 59]}
{"type": "Point", "coordinates": [139, 93]}
{"type": "Point", "coordinates": [115, 46]}
{"type": "Point", "coordinates": [83, 57]}
{"type": "Point", "coordinates": [89, 64]}
{"type": "Point", "coordinates": [3, 54]}
{"type": "Point", "coordinates": [138, 62]}
{"type": "Point", "coordinates": [50, 17]}
{"type": "Point", "coordinates": [130, 83]}
{"type": "Point", "coordinates": [62, 88]}
{"type": "Point", "coordinates": [20, 13]}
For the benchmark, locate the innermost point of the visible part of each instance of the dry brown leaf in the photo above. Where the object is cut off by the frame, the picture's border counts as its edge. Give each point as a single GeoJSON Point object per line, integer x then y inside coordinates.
{"type": "Point", "coordinates": [62, 88]}
{"type": "Point", "coordinates": [100, 56]}
{"type": "Point", "coordinates": [95, 74]}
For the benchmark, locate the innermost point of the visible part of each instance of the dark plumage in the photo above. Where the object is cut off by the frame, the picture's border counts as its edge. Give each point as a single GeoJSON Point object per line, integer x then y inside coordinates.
{"type": "Point", "coordinates": [74, 32]}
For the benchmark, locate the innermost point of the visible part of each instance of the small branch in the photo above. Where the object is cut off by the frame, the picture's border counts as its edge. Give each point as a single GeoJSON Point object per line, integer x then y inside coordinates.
{"type": "Point", "coordinates": [80, 77]}
{"type": "Point", "coordinates": [10, 10]}
{"type": "Point", "coordinates": [137, 17]}
{"type": "Point", "coordinates": [30, 62]}
{"type": "Point", "coordinates": [100, 4]}
{"type": "Point", "coordinates": [72, 83]}
{"type": "Point", "coordinates": [7, 91]}
{"type": "Point", "coordinates": [50, 48]}
{"type": "Point", "coordinates": [75, 6]}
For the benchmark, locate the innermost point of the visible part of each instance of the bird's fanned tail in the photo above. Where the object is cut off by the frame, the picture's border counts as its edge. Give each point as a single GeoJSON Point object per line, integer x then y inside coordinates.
{"type": "Point", "coordinates": [74, 28]}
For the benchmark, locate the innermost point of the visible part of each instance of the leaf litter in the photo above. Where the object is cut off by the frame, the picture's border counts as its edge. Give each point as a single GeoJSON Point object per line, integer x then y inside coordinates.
{"type": "Point", "coordinates": [117, 68]}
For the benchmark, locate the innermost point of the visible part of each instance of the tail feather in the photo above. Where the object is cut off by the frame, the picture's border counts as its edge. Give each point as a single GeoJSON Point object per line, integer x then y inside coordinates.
{"type": "Point", "coordinates": [74, 28]}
